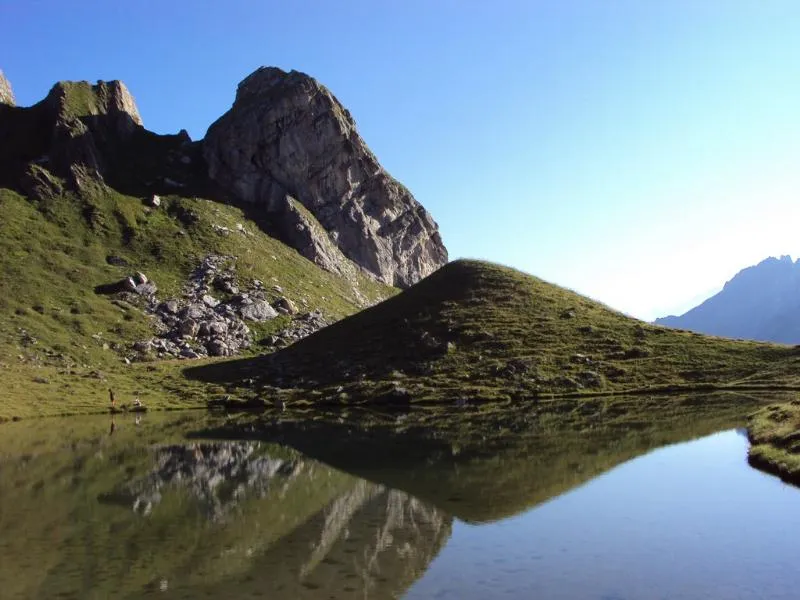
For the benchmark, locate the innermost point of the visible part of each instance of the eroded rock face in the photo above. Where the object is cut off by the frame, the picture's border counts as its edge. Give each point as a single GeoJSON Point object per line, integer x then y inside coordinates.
{"type": "Point", "coordinates": [287, 136]}
{"type": "Point", "coordinates": [90, 123]}
{"type": "Point", "coordinates": [6, 93]}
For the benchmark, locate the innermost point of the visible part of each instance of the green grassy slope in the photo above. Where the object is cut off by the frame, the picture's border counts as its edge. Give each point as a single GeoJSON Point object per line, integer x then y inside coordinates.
{"type": "Point", "coordinates": [774, 434]}
{"type": "Point", "coordinates": [62, 345]}
{"type": "Point", "coordinates": [475, 331]}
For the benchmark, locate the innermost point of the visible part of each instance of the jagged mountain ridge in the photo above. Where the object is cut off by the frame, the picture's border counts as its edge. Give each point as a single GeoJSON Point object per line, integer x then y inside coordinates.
{"type": "Point", "coordinates": [761, 302]}
{"type": "Point", "coordinates": [306, 175]}
{"type": "Point", "coordinates": [89, 200]}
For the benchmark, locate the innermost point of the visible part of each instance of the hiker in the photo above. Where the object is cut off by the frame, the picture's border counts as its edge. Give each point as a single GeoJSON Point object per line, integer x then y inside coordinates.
{"type": "Point", "coordinates": [111, 398]}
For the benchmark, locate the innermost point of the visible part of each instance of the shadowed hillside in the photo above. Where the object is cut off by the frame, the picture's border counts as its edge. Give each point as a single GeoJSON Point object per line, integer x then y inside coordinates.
{"type": "Point", "coordinates": [476, 331]}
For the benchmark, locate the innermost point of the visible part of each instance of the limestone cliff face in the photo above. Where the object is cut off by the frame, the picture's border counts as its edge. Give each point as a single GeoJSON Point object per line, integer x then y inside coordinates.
{"type": "Point", "coordinates": [6, 94]}
{"type": "Point", "coordinates": [287, 136]}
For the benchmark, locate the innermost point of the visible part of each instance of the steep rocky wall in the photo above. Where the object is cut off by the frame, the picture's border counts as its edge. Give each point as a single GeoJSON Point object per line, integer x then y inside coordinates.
{"type": "Point", "coordinates": [288, 136]}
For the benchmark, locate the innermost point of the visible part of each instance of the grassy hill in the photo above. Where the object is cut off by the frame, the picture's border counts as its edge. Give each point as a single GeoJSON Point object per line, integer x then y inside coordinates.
{"type": "Point", "coordinates": [475, 332]}
{"type": "Point", "coordinates": [62, 345]}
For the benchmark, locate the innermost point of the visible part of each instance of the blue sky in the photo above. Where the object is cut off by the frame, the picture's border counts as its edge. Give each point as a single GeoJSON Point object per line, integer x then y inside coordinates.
{"type": "Point", "coordinates": [639, 152]}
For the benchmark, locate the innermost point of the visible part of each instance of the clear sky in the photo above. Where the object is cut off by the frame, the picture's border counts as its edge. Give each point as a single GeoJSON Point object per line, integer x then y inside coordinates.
{"type": "Point", "coordinates": [637, 151]}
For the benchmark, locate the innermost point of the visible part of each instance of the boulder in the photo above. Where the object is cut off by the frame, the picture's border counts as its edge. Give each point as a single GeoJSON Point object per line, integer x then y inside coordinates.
{"type": "Point", "coordinates": [146, 289]}
{"type": "Point", "coordinates": [218, 348]}
{"type": "Point", "coordinates": [258, 310]}
{"type": "Point", "coordinates": [287, 136]}
{"type": "Point", "coordinates": [193, 311]}
{"type": "Point", "coordinates": [284, 305]}
{"type": "Point", "coordinates": [188, 328]}
{"type": "Point", "coordinates": [169, 307]}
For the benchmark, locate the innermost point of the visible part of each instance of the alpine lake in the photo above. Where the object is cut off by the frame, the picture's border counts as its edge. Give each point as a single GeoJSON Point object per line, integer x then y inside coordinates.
{"type": "Point", "coordinates": [421, 504]}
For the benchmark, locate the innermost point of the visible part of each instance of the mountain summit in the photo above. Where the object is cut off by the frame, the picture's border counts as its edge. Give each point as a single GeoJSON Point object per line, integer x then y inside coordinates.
{"type": "Point", "coordinates": [761, 302]}
{"type": "Point", "coordinates": [287, 151]}
{"type": "Point", "coordinates": [289, 147]}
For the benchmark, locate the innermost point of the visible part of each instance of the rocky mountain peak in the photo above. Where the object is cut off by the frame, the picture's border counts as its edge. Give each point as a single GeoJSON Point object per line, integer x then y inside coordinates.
{"type": "Point", "coordinates": [268, 79]}
{"type": "Point", "coordinates": [108, 99]}
{"type": "Point", "coordinates": [6, 93]}
{"type": "Point", "coordinates": [287, 138]}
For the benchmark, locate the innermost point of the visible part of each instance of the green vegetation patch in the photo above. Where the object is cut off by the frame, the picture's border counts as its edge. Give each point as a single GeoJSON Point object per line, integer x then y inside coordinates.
{"type": "Point", "coordinates": [774, 433]}
{"type": "Point", "coordinates": [62, 345]}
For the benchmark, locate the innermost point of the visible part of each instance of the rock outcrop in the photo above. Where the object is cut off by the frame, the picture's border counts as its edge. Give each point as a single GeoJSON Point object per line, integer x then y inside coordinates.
{"type": "Point", "coordinates": [287, 137]}
{"type": "Point", "coordinates": [6, 93]}
{"type": "Point", "coordinates": [76, 133]}
{"type": "Point", "coordinates": [90, 123]}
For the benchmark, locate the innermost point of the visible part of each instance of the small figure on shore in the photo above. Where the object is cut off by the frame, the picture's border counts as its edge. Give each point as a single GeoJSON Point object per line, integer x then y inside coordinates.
{"type": "Point", "coordinates": [280, 404]}
{"type": "Point", "coordinates": [111, 398]}
{"type": "Point", "coordinates": [136, 402]}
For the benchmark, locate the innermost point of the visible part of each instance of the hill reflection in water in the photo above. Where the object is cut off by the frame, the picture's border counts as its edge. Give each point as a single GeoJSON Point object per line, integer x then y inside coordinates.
{"type": "Point", "coordinates": [335, 509]}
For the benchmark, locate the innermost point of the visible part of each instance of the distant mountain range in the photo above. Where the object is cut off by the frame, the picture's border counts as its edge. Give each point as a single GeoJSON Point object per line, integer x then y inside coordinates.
{"type": "Point", "coordinates": [761, 302]}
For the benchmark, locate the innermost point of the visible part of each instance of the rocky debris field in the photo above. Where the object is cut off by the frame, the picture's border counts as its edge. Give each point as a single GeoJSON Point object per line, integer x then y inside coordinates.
{"type": "Point", "coordinates": [212, 315]}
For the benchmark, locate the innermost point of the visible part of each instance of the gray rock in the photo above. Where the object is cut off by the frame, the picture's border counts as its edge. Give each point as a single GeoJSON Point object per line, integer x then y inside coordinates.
{"type": "Point", "coordinates": [258, 310]}
{"type": "Point", "coordinates": [218, 348]}
{"type": "Point", "coordinates": [218, 328]}
{"type": "Point", "coordinates": [194, 311]}
{"type": "Point", "coordinates": [154, 201]}
{"type": "Point", "coordinates": [283, 304]}
{"type": "Point", "coordinates": [146, 289]}
{"type": "Point", "coordinates": [286, 137]}
{"type": "Point", "coordinates": [189, 328]}
{"type": "Point", "coordinates": [170, 307]}
{"type": "Point", "coordinates": [210, 301]}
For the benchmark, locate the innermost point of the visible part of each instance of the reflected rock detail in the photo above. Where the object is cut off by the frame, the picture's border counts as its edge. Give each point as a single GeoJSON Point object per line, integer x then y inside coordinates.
{"type": "Point", "coordinates": [369, 542]}
{"type": "Point", "coordinates": [217, 475]}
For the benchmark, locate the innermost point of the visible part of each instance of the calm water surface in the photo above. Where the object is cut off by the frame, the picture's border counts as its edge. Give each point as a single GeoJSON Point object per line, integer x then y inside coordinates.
{"type": "Point", "coordinates": [691, 520]}
{"type": "Point", "coordinates": [141, 512]}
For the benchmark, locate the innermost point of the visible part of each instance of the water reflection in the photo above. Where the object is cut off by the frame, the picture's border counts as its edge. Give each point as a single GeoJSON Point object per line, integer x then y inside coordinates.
{"type": "Point", "coordinates": [218, 476]}
{"type": "Point", "coordinates": [336, 509]}
{"type": "Point", "coordinates": [85, 515]}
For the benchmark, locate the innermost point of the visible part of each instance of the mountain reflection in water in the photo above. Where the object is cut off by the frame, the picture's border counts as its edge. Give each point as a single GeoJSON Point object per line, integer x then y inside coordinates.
{"type": "Point", "coordinates": [335, 510]}
{"type": "Point", "coordinates": [91, 516]}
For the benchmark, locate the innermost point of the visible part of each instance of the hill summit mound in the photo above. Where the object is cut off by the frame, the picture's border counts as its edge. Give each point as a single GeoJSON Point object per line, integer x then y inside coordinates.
{"type": "Point", "coordinates": [476, 331]}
